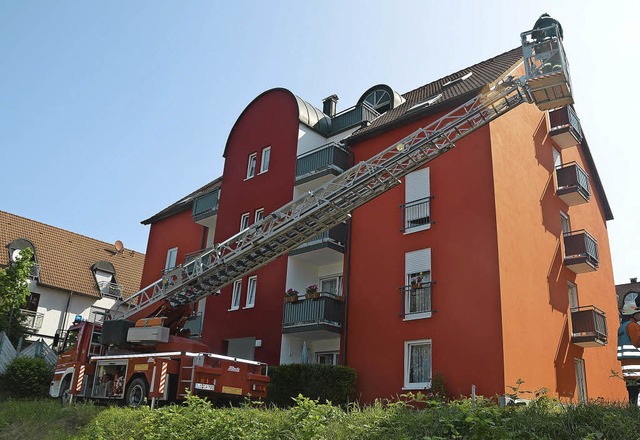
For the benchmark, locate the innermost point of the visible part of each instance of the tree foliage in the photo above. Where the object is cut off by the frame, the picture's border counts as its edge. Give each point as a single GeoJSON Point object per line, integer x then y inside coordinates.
{"type": "Point", "coordinates": [14, 292]}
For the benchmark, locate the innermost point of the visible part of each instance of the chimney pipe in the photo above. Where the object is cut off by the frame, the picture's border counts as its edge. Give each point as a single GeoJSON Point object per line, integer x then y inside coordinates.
{"type": "Point", "coordinates": [634, 280]}
{"type": "Point", "coordinates": [329, 105]}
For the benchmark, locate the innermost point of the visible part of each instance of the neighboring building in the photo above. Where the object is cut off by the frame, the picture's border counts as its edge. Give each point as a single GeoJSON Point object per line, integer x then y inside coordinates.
{"type": "Point", "coordinates": [73, 274]}
{"type": "Point", "coordinates": [488, 265]}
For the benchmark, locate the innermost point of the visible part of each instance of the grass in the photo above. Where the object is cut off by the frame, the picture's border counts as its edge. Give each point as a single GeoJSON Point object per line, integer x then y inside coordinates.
{"type": "Point", "coordinates": [307, 419]}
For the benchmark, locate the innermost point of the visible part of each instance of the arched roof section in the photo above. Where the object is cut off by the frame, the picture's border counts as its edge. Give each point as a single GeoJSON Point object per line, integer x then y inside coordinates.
{"type": "Point", "coordinates": [382, 98]}
{"type": "Point", "coordinates": [104, 266]}
{"type": "Point", "coordinates": [307, 114]}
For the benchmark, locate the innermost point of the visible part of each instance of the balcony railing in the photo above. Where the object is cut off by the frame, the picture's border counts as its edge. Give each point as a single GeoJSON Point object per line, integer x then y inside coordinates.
{"type": "Point", "coordinates": [334, 238]}
{"type": "Point", "coordinates": [416, 300]}
{"type": "Point", "coordinates": [34, 272]}
{"type": "Point", "coordinates": [416, 214]}
{"type": "Point", "coordinates": [33, 320]}
{"type": "Point", "coordinates": [580, 251]}
{"type": "Point", "coordinates": [331, 158]}
{"type": "Point", "coordinates": [324, 313]}
{"type": "Point", "coordinates": [110, 290]}
{"type": "Point", "coordinates": [206, 205]}
{"type": "Point", "coordinates": [194, 325]}
{"type": "Point", "coordinates": [588, 326]}
{"type": "Point", "coordinates": [353, 116]}
{"type": "Point", "coordinates": [573, 184]}
{"type": "Point", "coordinates": [564, 127]}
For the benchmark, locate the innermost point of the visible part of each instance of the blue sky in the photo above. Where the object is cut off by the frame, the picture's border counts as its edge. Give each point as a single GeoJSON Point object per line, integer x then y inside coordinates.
{"type": "Point", "coordinates": [111, 111]}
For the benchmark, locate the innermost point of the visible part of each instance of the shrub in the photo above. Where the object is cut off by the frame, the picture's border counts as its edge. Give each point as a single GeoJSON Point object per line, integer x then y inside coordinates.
{"type": "Point", "coordinates": [27, 377]}
{"type": "Point", "coordinates": [331, 383]}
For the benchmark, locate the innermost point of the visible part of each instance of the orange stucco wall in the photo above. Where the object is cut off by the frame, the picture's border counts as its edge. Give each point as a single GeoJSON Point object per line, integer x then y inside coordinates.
{"type": "Point", "coordinates": [533, 280]}
{"type": "Point", "coordinates": [466, 328]}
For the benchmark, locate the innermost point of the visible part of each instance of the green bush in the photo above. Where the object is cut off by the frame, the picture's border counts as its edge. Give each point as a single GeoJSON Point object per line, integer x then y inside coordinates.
{"type": "Point", "coordinates": [330, 383]}
{"type": "Point", "coordinates": [27, 377]}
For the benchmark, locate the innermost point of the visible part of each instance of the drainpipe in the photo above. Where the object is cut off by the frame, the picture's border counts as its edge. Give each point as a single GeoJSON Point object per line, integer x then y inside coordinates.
{"type": "Point", "coordinates": [63, 317]}
{"type": "Point", "coordinates": [347, 271]}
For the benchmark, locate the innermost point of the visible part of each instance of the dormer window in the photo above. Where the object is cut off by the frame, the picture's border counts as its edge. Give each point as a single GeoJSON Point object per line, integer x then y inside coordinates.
{"type": "Point", "coordinates": [105, 276]}
{"type": "Point", "coordinates": [15, 250]}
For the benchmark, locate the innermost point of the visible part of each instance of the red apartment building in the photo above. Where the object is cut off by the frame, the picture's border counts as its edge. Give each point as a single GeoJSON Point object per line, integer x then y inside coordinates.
{"type": "Point", "coordinates": [488, 265]}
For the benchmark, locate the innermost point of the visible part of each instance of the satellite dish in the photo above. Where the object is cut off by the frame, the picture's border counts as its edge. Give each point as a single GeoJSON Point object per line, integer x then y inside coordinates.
{"type": "Point", "coordinates": [119, 246]}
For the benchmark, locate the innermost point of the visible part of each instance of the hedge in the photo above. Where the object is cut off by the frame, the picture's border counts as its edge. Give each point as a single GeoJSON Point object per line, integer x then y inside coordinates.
{"type": "Point", "coordinates": [27, 377]}
{"type": "Point", "coordinates": [332, 383]}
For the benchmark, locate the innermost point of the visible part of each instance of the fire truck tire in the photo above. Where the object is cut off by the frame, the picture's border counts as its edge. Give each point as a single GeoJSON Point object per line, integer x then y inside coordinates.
{"type": "Point", "coordinates": [136, 394]}
{"type": "Point", "coordinates": [65, 397]}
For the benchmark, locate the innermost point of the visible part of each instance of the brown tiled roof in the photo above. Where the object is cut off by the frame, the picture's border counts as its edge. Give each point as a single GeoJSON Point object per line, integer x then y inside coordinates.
{"type": "Point", "coordinates": [183, 203]}
{"type": "Point", "coordinates": [483, 73]}
{"type": "Point", "coordinates": [65, 258]}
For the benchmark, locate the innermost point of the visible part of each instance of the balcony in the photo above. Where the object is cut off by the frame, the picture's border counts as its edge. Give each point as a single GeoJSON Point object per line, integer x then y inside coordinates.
{"type": "Point", "coordinates": [352, 117]}
{"type": "Point", "coordinates": [573, 184]}
{"type": "Point", "coordinates": [313, 315]}
{"type": "Point", "coordinates": [325, 248]}
{"type": "Point", "coordinates": [34, 272]}
{"type": "Point", "coordinates": [588, 327]}
{"type": "Point", "coordinates": [416, 215]}
{"type": "Point", "coordinates": [205, 206]}
{"type": "Point", "coordinates": [564, 127]}
{"type": "Point", "coordinates": [416, 301]}
{"type": "Point", "coordinates": [110, 290]}
{"type": "Point", "coordinates": [331, 158]}
{"type": "Point", "coordinates": [580, 251]}
{"type": "Point", "coordinates": [33, 320]}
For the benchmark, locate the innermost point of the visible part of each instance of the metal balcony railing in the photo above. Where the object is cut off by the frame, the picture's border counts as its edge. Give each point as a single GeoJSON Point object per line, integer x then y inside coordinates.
{"type": "Point", "coordinates": [563, 119]}
{"type": "Point", "coordinates": [580, 251]}
{"type": "Point", "coordinates": [194, 325]}
{"type": "Point", "coordinates": [323, 313]}
{"type": "Point", "coordinates": [588, 326]}
{"type": "Point", "coordinates": [334, 238]}
{"type": "Point", "coordinates": [331, 158]}
{"type": "Point", "coordinates": [110, 290]}
{"type": "Point", "coordinates": [416, 214]}
{"type": "Point", "coordinates": [353, 116]}
{"type": "Point", "coordinates": [34, 272]}
{"type": "Point", "coordinates": [206, 205]}
{"type": "Point", "coordinates": [33, 320]}
{"type": "Point", "coordinates": [416, 299]}
{"type": "Point", "coordinates": [573, 181]}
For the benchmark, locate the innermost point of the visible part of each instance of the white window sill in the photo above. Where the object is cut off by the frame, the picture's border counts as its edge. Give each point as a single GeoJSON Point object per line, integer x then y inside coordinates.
{"type": "Point", "coordinates": [262, 172]}
{"type": "Point", "coordinates": [249, 178]}
{"type": "Point", "coordinates": [233, 309]}
{"type": "Point", "coordinates": [415, 316]}
{"type": "Point", "coordinates": [417, 387]}
{"type": "Point", "coordinates": [417, 229]}
{"type": "Point", "coordinates": [248, 307]}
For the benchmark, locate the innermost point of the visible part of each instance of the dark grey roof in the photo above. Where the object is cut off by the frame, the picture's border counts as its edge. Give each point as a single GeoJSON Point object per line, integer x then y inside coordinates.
{"type": "Point", "coordinates": [184, 203]}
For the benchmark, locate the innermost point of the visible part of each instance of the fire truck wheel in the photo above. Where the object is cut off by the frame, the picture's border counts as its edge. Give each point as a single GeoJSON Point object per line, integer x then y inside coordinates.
{"type": "Point", "coordinates": [65, 397]}
{"type": "Point", "coordinates": [136, 393]}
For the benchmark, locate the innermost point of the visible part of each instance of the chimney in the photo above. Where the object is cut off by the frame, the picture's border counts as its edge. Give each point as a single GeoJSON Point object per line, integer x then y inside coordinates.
{"type": "Point", "coordinates": [329, 105]}
{"type": "Point", "coordinates": [634, 280]}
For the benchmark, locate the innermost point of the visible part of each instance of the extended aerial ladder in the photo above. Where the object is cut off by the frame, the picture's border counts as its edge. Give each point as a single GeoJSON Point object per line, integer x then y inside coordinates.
{"type": "Point", "coordinates": [546, 83]}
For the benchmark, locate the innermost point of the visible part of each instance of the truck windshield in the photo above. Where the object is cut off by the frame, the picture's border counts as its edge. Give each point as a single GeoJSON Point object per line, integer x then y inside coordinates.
{"type": "Point", "coordinates": [71, 339]}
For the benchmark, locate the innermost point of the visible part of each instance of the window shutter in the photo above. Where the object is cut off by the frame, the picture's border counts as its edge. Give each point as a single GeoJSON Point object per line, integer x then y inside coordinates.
{"type": "Point", "coordinates": [417, 261]}
{"type": "Point", "coordinates": [417, 185]}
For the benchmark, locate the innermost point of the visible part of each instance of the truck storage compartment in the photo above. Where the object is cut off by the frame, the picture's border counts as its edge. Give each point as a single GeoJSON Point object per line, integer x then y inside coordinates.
{"type": "Point", "coordinates": [150, 335]}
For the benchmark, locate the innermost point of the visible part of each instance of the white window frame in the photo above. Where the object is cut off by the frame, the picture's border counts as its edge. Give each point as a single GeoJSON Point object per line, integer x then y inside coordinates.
{"type": "Point", "coordinates": [264, 165]}
{"type": "Point", "coordinates": [171, 252]}
{"type": "Point", "coordinates": [337, 278]}
{"type": "Point", "coordinates": [244, 221]}
{"type": "Point", "coordinates": [407, 365]}
{"type": "Point", "coordinates": [259, 215]}
{"type": "Point", "coordinates": [334, 354]}
{"type": "Point", "coordinates": [581, 380]}
{"type": "Point", "coordinates": [417, 186]}
{"type": "Point", "coordinates": [252, 286]}
{"type": "Point", "coordinates": [235, 295]}
{"type": "Point", "coordinates": [251, 165]}
{"type": "Point", "coordinates": [573, 295]}
{"type": "Point", "coordinates": [416, 262]}
{"type": "Point", "coordinates": [565, 219]}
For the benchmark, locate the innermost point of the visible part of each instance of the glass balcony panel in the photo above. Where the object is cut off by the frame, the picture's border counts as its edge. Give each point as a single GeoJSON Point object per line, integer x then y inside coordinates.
{"type": "Point", "coordinates": [352, 117]}
{"type": "Point", "coordinates": [573, 184]}
{"type": "Point", "coordinates": [331, 158]}
{"type": "Point", "coordinates": [580, 251]}
{"type": "Point", "coordinates": [205, 205]}
{"type": "Point", "coordinates": [588, 327]}
{"type": "Point", "coordinates": [110, 290]}
{"type": "Point", "coordinates": [334, 238]}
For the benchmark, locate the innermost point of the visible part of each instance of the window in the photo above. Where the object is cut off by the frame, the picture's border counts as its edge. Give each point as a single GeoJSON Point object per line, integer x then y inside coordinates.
{"type": "Point", "coordinates": [557, 158]}
{"type": "Point", "coordinates": [105, 276]}
{"type": "Point", "coordinates": [251, 166]}
{"type": "Point", "coordinates": [581, 382]}
{"type": "Point", "coordinates": [566, 223]}
{"type": "Point", "coordinates": [264, 164]}
{"type": "Point", "coordinates": [244, 221]}
{"type": "Point", "coordinates": [235, 296]}
{"type": "Point", "coordinates": [417, 288]}
{"type": "Point", "coordinates": [259, 215]}
{"type": "Point", "coordinates": [251, 291]}
{"type": "Point", "coordinates": [573, 295]}
{"type": "Point", "coordinates": [172, 255]}
{"type": "Point", "coordinates": [327, 357]}
{"type": "Point", "coordinates": [416, 212]}
{"type": "Point", "coordinates": [331, 285]}
{"type": "Point", "coordinates": [417, 364]}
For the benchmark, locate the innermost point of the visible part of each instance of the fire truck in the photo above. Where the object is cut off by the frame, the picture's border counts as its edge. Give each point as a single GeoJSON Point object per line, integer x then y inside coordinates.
{"type": "Point", "coordinates": [136, 352]}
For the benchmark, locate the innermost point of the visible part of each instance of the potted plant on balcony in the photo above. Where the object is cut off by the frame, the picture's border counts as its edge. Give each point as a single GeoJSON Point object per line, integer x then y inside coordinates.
{"type": "Point", "coordinates": [416, 281]}
{"type": "Point", "coordinates": [291, 295]}
{"type": "Point", "coordinates": [312, 292]}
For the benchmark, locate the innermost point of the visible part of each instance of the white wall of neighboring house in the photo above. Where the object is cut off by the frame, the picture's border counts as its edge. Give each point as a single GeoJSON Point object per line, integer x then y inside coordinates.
{"type": "Point", "coordinates": [292, 345]}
